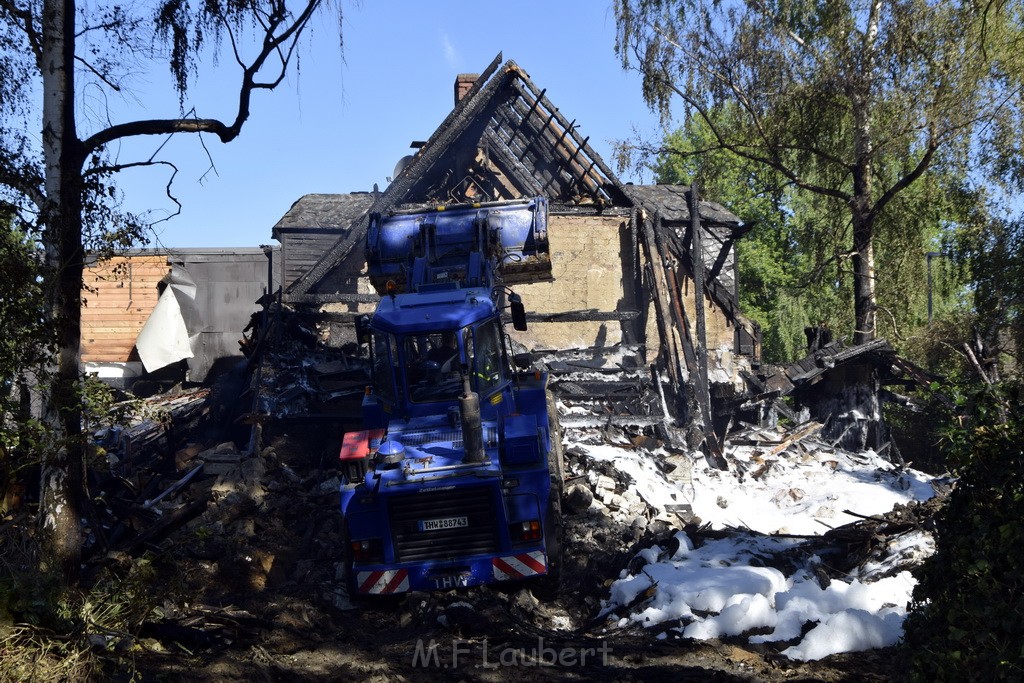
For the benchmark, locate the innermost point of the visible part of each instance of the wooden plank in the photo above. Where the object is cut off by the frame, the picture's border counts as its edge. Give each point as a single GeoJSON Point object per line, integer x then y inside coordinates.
{"type": "Point", "coordinates": [110, 334]}
{"type": "Point", "coordinates": [591, 314]}
{"type": "Point", "coordinates": [105, 306]}
{"type": "Point", "coordinates": [99, 302]}
{"type": "Point", "coordinates": [120, 348]}
{"type": "Point", "coordinates": [148, 293]}
{"type": "Point", "coordinates": [137, 275]}
{"type": "Point", "coordinates": [811, 429]}
{"type": "Point", "coordinates": [125, 335]}
{"type": "Point", "coordinates": [123, 348]}
{"type": "Point", "coordinates": [662, 307]}
{"type": "Point", "coordinates": [120, 354]}
{"type": "Point", "coordinates": [113, 315]}
{"type": "Point", "coordinates": [123, 268]}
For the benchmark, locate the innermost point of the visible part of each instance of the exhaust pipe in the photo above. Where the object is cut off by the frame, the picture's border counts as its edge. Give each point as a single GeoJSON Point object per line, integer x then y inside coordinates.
{"type": "Point", "coordinates": [472, 424]}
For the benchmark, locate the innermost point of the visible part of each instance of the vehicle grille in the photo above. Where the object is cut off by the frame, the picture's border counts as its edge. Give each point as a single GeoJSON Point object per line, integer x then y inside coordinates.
{"type": "Point", "coordinates": [476, 504]}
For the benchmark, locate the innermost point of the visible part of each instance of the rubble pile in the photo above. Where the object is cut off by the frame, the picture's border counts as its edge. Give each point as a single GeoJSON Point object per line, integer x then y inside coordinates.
{"type": "Point", "coordinates": [131, 473]}
{"type": "Point", "coordinates": [602, 386]}
{"type": "Point", "coordinates": [298, 376]}
{"type": "Point", "coordinates": [272, 522]}
{"type": "Point", "coordinates": [256, 533]}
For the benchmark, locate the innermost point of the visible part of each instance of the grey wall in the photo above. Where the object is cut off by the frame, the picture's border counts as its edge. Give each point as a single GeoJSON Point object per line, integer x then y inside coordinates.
{"type": "Point", "coordinates": [228, 284]}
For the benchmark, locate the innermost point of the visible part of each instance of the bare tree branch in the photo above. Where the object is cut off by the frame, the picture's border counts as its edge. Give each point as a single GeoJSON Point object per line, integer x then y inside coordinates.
{"type": "Point", "coordinates": [25, 183]}
{"type": "Point", "coordinates": [113, 86]}
{"type": "Point", "coordinates": [743, 151]}
{"type": "Point", "coordinates": [272, 44]}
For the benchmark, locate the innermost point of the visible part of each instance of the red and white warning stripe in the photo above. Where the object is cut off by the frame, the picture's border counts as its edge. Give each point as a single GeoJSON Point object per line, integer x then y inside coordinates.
{"type": "Point", "coordinates": [519, 566]}
{"type": "Point", "coordinates": [383, 582]}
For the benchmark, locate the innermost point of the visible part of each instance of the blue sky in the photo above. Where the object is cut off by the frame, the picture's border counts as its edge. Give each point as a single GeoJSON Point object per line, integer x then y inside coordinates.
{"type": "Point", "coordinates": [343, 121]}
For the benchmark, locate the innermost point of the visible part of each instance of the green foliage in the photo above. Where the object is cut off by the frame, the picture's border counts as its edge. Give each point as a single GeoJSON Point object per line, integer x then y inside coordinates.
{"type": "Point", "coordinates": [968, 619]}
{"type": "Point", "coordinates": [875, 109]}
{"type": "Point", "coordinates": [768, 272]}
{"type": "Point", "coordinates": [23, 337]}
{"type": "Point", "coordinates": [793, 266]}
{"type": "Point", "coordinates": [24, 344]}
{"type": "Point", "coordinates": [991, 249]}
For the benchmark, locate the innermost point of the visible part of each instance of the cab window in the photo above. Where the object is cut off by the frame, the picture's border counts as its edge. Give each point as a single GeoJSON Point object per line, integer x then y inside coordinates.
{"type": "Point", "coordinates": [432, 363]}
{"type": "Point", "coordinates": [486, 362]}
{"type": "Point", "coordinates": [384, 366]}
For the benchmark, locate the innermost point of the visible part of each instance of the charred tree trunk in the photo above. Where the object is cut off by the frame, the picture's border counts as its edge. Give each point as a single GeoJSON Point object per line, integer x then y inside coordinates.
{"type": "Point", "coordinates": [63, 462]}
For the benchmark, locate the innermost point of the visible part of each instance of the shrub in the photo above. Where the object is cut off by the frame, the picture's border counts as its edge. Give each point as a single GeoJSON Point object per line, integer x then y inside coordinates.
{"type": "Point", "coordinates": [968, 612]}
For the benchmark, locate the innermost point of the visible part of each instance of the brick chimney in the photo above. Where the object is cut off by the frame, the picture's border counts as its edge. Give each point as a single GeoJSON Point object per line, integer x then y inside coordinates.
{"type": "Point", "coordinates": [463, 82]}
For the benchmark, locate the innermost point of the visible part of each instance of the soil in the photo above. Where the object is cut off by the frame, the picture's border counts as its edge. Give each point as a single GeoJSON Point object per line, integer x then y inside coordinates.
{"type": "Point", "coordinates": [253, 590]}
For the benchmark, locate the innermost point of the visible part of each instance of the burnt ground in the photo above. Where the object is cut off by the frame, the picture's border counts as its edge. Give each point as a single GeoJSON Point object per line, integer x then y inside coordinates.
{"type": "Point", "coordinates": [252, 589]}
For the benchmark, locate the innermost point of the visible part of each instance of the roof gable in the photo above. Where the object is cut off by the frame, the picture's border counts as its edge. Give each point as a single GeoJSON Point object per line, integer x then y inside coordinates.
{"type": "Point", "coordinates": [504, 139]}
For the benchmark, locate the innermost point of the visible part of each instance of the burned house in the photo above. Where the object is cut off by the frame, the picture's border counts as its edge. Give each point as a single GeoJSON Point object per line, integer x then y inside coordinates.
{"type": "Point", "coordinates": [617, 285]}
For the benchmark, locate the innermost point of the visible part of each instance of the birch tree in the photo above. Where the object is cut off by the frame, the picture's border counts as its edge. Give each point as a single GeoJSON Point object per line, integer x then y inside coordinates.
{"type": "Point", "coordinates": [57, 170]}
{"type": "Point", "coordinates": [850, 100]}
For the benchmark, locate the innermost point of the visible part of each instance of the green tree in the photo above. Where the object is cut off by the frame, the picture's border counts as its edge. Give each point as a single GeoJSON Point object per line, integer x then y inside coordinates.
{"type": "Point", "coordinates": [23, 346]}
{"type": "Point", "coordinates": [56, 167]}
{"type": "Point", "coordinates": [769, 263]}
{"type": "Point", "coordinates": [850, 100]}
{"type": "Point", "coordinates": [792, 262]}
{"type": "Point", "coordinates": [968, 616]}
{"type": "Point", "coordinates": [991, 249]}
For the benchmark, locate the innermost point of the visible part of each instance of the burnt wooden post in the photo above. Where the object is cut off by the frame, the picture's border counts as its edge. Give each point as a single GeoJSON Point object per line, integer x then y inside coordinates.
{"type": "Point", "coordinates": [702, 385]}
{"type": "Point", "coordinates": [662, 305]}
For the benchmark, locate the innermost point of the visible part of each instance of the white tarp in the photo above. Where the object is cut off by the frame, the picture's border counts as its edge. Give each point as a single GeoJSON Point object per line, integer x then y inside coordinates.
{"type": "Point", "coordinates": [173, 326]}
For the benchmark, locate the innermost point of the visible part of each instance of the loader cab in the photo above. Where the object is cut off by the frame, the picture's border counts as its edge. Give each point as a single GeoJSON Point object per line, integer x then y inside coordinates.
{"type": "Point", "coordinates": [416, 369]}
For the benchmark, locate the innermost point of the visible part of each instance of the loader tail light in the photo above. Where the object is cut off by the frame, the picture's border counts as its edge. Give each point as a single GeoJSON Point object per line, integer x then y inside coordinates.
{"type": "Point", "coordinates": [529, 530]}
{"type": "Point", "coordinates": [367, 550]}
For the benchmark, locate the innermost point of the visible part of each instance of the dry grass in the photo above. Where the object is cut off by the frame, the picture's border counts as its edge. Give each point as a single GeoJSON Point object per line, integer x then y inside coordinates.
{"type": "Point", "coordinates": [31, 654]}
{"type": "Point", "coordinates": [49, 633]}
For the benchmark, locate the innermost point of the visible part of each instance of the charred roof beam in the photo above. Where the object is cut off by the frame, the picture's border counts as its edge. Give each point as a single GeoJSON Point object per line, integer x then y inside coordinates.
{"type": "Point", "coordinates": [454, 124]}
{"type": "Point", "coordinates": [505, 158]}
{"type": "Point", "coordinates": [597, 185]}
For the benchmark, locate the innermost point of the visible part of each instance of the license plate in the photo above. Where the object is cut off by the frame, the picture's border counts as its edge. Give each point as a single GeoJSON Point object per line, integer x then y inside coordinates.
{"type": "Point", "coordinates": [454, 581]}
{"type": "Point", "coordinates": [443, 523]}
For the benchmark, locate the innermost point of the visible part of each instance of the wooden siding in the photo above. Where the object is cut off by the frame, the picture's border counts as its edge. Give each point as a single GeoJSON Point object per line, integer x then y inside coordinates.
{"type": "Point", "coordinates": [120, 294]}
{"type": "Point", "coordinates": [302, 249]}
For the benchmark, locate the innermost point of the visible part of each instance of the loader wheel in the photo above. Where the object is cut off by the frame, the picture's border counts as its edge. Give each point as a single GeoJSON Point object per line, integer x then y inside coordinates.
{"type": "Point", "coordinates": [547, 587]}
{"type": "Point", "coordinates": [346, 558]}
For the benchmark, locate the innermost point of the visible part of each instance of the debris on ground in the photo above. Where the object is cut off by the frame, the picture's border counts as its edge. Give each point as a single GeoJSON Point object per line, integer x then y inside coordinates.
{"type": "Point", "coordinates": [775, 560]}
{"type": "Point", "coordinates": [795, 533]}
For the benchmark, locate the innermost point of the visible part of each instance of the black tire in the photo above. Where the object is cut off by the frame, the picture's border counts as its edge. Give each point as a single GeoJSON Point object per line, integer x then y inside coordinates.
{"type": "Point", "coordinates": [346, 558]}
{"type": "Point", "coordinates": [548, 586]}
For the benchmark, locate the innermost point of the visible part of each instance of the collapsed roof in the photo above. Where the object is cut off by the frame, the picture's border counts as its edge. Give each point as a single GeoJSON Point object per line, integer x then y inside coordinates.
{"type": "Point", "coordinates": [504, 139]}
